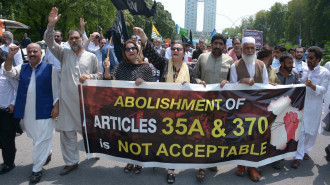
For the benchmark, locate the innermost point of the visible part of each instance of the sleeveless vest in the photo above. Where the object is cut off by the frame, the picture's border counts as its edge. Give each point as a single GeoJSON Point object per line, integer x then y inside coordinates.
{"type": "Point", "coordinates": [242, 71]}
{"type": "Point", "coordinates": [44, 93]}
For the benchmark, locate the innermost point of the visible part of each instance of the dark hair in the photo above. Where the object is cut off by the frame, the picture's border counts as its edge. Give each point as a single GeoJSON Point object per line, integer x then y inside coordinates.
{"type": "Point", "coordinates": [237, 38]}
{"type": "Point", "coordinates": [264, 52]}
{"type": "Point", "coordinates": [285, 56]}
{"type": "Point", "coordinates": [219, 36]}
{"type": "Point", "coordinates": [178, 42]}
{"type": "Point", "coordinates": [124, 47]}
{"type": "Point", "coordinates": [317, 51]}
{"type": "Point", "coordinates": [291, 49]}
{"type": "Point", "coordinates": [75, 30]}
{"type": "Point", "coordinates": [281, 47]}
{"type": "Point", "coordinates": [299, 47]}
{"type": "Point", "coordinates": [0, 39]}
{"type": "Point", "coordinates": [59, 31]}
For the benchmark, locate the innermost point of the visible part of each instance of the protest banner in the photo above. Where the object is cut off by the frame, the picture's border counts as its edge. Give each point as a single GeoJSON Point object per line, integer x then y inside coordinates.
{"type": "Point", "coordinates": [191, 126]}
{"type": "Point", "coordinates": [257, 35]}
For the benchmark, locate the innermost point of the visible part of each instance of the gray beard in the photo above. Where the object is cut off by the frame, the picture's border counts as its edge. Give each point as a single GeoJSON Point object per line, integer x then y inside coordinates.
{"type": "Point", "coordinates": [76, 48]}
{"type": "Point", "coordinates": [248, 59]}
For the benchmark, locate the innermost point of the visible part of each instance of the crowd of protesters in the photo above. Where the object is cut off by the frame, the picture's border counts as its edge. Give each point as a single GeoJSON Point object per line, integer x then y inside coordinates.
{"type": "Point", "coordinates": [67, 64]}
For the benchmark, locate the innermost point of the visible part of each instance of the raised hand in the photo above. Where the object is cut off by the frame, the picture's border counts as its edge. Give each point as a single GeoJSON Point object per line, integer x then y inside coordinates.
{"type": "Point", "coordinates": [82, 25]}
{"type": "Point", "coordinates": [53, 17]}
{"type": "Point", "coordinates": [13, 50]}
{"type": "Point", "coordinates": [139, 31]}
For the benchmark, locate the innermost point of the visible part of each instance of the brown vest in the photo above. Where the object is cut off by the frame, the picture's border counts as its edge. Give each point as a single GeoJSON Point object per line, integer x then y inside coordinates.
{"type": "Point", "coordinates": [242, 71]}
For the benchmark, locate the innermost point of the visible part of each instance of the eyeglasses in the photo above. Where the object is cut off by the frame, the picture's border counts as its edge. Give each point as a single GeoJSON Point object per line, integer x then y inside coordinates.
{"type": "Point", "coordinates": [176, 48]}
{"type": "Point", "coordinates": [310, 58]}
{"type": "Point", "coordinates": [132, 48]}
{"type": "Point", "coordinates": [74, 38]}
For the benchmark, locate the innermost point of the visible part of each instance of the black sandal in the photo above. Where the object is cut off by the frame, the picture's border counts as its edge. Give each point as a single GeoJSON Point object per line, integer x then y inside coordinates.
{"type": "Point", "coordinates": [170, 178]}
{"type": "Point", "coordinates": [296, 163]}
{"type": "Point", "coordinates": [35, 177]}
{"type": "Point", "coordinates": [201, 174]}
{"type": "Point", "coordinates": [128, 168]}
{"type": "Point", "coordinates": [137, 169]}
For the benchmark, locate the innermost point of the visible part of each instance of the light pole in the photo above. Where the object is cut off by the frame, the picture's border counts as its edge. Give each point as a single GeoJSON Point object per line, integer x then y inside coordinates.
{"type": "Point", "coordinates": [227, 18]}
{"type": "Point", "coordinates": [299, 33]}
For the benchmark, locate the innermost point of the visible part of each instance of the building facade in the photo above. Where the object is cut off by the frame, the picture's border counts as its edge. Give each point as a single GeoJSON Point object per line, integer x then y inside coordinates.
{"type": "Point", "coordinates": [210, 7]}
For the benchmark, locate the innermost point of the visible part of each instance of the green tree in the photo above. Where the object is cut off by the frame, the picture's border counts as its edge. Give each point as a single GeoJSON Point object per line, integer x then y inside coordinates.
{"type": "Point", "coordinates": [295, 19]}
{"type": "Point", "coordinates": [260, 23]}
{"type": "Point", "coordinates": [276, 23]}
{"type": "Point", "coordinates": [34, 13]}
{"type": "Point", "coordinates": [247, 23]}
{"type": "Point", "coordinates": [318, 18]}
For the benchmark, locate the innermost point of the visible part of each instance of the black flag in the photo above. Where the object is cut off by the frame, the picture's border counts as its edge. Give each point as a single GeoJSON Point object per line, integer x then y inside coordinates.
{"type": "Point", "coordinates": [119, 34]}
{"type": "Point", "coordinates": [190, 36]}
{"type": "Point", "coordinates": [184, 39]}
{"type": "Point", "coordinates": [135, 7]}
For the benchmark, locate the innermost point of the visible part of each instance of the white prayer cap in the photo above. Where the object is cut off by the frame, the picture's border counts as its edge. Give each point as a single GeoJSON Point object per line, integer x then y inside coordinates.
{"type": "Point", "coordinates": [248, 39]}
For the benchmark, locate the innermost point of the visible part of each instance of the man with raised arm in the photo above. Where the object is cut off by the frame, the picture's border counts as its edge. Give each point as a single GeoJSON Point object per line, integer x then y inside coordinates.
{"type": "Point", "coordinates": [36, 102]}
{"type": "Point", "coordinates": [77, 66]}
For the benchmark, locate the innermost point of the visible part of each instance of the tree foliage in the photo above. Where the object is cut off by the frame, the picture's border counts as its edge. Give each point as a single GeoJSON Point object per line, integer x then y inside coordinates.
{"type": "Point", "coordinates": [34, 13]}
{"type": "Point", "coordinates": [282, 22]}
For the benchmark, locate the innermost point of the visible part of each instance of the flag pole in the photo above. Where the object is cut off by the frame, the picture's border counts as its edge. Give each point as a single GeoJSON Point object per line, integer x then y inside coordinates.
{"type": "Point", "coordinates": [128, 19]}
{"type": "Point", "coordinates": [109, 47]}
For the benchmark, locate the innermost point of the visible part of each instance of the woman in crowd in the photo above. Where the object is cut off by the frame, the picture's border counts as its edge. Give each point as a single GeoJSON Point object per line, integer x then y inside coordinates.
{"type": "Point", "coordinates": [174, 70]}
{"type": "Point", "coordinates": [130, 70]}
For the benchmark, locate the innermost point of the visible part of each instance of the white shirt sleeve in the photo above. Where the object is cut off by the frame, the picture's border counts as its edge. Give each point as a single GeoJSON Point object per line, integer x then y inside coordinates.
{"type": "Point", "coordinates": [233, 74]}
{"type": "Point", "coordinates": [85, 38]}
{"type": "Point", "coordinates": [55, 85]}
{"type": "Point", "coordinates": [168, 54]}
{"type": "Point", "coordinates": [14, 84]}
{"type": "Point", "coordinates": [323, 87]}
{"type": "Point", "coordinates": [13, 73]}
{"type": "Point", "coordinates": [265, 75]}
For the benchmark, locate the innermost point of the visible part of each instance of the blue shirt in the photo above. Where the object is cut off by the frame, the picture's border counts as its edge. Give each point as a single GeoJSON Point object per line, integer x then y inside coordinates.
{"type": "Point", "coordinates": [112, 55]}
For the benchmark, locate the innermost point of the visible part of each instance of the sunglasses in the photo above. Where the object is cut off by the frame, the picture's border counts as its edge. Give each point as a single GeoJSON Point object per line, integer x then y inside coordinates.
{"type": "Point", "coordinates": [176, 48]}
{"type": "Point", "coordinates": [132, 48]}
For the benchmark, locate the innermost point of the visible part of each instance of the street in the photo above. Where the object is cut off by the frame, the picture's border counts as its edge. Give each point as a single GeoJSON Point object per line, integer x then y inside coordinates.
{"type": "Point", "coordinates": [104, 171]}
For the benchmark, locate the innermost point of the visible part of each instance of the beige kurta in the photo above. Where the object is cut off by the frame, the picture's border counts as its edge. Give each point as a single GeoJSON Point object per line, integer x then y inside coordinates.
{"type": "Point", "coordinates": [72, 67]}
{"type": "Point", "coordinates": [212, 70]}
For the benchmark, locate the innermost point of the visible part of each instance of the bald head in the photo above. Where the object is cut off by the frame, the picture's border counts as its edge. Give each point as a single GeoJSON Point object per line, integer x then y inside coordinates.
{"type": "Point", "coordinates": [34, 45]}
{"type": "Point", "coordinates": [34, 53]}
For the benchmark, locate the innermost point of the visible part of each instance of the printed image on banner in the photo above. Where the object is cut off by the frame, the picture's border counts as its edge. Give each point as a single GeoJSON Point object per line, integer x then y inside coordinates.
{"type": "Point", "coordinates": [176, 126]}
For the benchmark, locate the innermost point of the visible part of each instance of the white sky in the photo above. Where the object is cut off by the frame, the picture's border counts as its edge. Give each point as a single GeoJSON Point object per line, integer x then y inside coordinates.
{"type": "Point", "coordinates": [233, 9]}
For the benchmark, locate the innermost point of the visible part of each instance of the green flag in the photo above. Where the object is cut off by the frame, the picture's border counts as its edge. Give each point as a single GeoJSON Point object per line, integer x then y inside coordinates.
{"type": "Point", "coordinates": [184, 32]}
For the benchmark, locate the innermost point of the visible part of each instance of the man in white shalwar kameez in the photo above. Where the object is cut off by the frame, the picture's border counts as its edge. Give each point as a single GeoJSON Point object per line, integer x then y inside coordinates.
{"type": "Point", "coordinates": [36, 102]}
{"type": "Point", "coordinates": [77, 66]}
{"type": "Point", "coordinates": [316, 81]}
